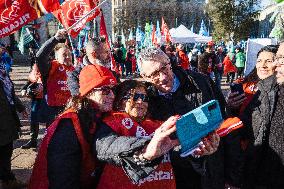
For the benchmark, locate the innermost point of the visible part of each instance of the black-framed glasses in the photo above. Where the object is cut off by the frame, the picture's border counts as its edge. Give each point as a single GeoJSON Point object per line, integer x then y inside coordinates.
{"type": "Point", "coordinates": [154, 76]}
{"type": "Point", "coordinates": [279, 60]}
{"type": "Point", "coordinates": [105, 90]}
{"type": "Point", "coordinates": [136, 96]}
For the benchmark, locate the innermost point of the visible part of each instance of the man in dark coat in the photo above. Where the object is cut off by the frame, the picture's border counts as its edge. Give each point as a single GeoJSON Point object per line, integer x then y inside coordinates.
{"type": "Point", "coordinates": [9, 127]}
{"type": "Point", "coordinates": [176, 91]}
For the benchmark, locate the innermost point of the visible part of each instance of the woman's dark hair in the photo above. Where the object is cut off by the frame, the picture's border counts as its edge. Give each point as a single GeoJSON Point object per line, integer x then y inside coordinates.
{"type": "Point", "coordinates": [269, 48]}
{"type": "Point", "coordinates": [122, 89]}
{"type": "Point", "coordinates": [252, 77]}
{"type": "Point", "coordinates": [86, 113]}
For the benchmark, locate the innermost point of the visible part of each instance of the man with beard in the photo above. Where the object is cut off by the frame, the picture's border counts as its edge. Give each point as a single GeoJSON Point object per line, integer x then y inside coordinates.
{"type": "Point", "coordinates": [264, 165]}
{"type": "Point", "coordinates": [97, 52]}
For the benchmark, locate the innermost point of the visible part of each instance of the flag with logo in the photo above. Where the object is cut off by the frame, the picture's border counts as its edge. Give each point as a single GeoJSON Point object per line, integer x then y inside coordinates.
{"type": "Point", "coordinates": [25, 38]}
{"type": "Point", "coordinates": [73, 10]}
{"type": "Point", "coordinates": [17, 13]}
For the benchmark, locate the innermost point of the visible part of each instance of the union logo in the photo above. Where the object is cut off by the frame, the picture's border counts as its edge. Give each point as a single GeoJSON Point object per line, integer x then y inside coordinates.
{"type": "Point", "coordinates": [127, 123]}
{"type": "Point", "coordinates": [11, 11]}
{"type": "Point", "coordinates": [77, 9]}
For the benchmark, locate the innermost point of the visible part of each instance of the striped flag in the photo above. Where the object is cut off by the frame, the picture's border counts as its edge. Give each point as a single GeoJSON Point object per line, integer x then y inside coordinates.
{"type": "Point", "coordinates": [25, 38]}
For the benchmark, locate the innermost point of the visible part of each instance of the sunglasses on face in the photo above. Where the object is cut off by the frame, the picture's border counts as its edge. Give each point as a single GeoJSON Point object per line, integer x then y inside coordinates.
{"type": "Point", "coordinates": [136, 96]}
{"type": "Point", "coordinates": [104, 90]}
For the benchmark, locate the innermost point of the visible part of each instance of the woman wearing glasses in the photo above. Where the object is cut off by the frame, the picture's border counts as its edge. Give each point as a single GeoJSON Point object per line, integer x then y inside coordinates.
{"type": "Point", "coordinates": [66, 158]}
{"type": "Point", "coordinates": [131, 119]}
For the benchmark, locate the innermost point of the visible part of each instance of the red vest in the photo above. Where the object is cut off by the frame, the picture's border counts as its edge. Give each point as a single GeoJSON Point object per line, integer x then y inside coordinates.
{"type": "Point", "coordinates": [39, 178]}
{"type": "Point", "coordinates": [57, 90]}
{"type": "Point", "coordinates": [114, 177]}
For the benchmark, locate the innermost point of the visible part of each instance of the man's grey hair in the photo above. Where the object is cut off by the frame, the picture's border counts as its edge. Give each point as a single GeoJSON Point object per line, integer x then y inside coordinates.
{"type": "Point", "coordinates": [153, 54]}
{"type": "Point", "coordinates": [95, 44]}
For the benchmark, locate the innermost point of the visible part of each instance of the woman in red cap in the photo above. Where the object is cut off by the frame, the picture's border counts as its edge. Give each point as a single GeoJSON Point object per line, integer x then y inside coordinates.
{"type": "Point", "coordinates": [66, 158]}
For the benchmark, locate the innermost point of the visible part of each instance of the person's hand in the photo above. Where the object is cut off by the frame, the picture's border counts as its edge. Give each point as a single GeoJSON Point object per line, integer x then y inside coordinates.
{"type": "Point", "coordinates": [25, 114]}
{"type": "Point", "coordinates": [161, 143]}
{"type": "Point", "coordinates": [209, 145]}
{"type": "Point", "coordinates": [235, 100]}
{"type": "Point", "coordinates": [23, 92]}
{"type": "Point", "coordinates": [61, 34]}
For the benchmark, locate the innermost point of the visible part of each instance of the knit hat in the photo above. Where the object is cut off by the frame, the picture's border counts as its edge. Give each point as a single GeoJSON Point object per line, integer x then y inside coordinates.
{"type": "Point", "coordinates": [94, 76]}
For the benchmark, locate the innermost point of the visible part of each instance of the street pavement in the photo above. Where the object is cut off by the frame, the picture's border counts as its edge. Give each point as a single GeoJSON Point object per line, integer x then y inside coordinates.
{"type": "Point", "coordinates": [23, 160]}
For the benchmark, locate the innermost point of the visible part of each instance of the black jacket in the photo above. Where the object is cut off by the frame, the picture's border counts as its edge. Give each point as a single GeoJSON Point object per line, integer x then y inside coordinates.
{"type": "Point", "coordinates": [224, 165]}
{"type": "Point", "coordinates": [263, 118]}
{"type": "Point", "coordinates": [10, 123]}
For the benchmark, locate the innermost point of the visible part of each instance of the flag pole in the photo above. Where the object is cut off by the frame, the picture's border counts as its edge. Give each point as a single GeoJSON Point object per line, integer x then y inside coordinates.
{"type": "Point", "coordinates": [64, 20]}
{"type": "Point", "coordinates": [86, 15]}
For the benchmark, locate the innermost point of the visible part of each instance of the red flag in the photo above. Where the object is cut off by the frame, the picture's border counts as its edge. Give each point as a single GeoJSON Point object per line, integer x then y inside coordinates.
{"type": "Point", "coordinates": [14, 15]}
{"type": "Point", "coordinates": [165, 31]}
{"type": "Point", "coordinates": [103, 32]}
{"type": "Point", "coordinates": [154, 38]}
{"type": "Point", "coordinates": [44, 6]}
{"type": "Point", "coordinates": [73, 10]}
{"type": "Point", "coordinates": [47, 6]}
{"type": "Point", "coordinates": [17, 13]}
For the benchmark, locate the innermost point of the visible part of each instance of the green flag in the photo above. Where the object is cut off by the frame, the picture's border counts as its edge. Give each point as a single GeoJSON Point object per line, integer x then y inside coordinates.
{"type": "Point", "coordinates": [25, 38]}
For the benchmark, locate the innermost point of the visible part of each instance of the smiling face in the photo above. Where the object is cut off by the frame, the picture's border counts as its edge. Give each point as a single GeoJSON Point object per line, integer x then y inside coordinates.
{"type": "Point", "coordinates": [159, 74]}
{"type": "Point", "coordinates": [64, 56]}
{"type": "Point", "coordinates": [265, 65]}
{"type": "Point", "coordinates": [136, 103]}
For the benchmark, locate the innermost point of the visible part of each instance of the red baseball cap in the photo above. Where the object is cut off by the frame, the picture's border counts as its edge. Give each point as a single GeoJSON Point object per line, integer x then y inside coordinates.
{"type": "Point", "coordinates": [95, 76]}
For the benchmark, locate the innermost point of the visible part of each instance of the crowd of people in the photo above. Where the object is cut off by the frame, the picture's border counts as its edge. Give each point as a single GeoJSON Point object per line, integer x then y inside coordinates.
{"type": "Point", "coordinates": [107, 129]}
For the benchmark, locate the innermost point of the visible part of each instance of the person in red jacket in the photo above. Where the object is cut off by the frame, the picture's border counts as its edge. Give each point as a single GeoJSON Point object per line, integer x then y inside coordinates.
{"type": "Point", "coordinates": [182, 59]}
{"type": "Point", "coordinates": [229, 69]}
{"type": "Point", "coordinates": [65, 159]}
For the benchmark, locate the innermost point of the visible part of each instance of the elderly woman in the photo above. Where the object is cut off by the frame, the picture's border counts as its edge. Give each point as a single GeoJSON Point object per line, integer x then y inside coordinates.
{"type": "Point", "coordinates": [65, 158]}
{"type": "Point", "coordinates": [130, 119]}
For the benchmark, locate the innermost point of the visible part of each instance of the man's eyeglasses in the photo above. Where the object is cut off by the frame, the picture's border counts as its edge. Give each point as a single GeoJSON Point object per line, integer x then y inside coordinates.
{"type": "Point", "coordinates": [105, 90]}
{"type": "Point", "coordinates": [136, 96]}
{"type": "Point", "coordinates": [155, 75]}
{"type": "Point", "coordinates": [279, 60]}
